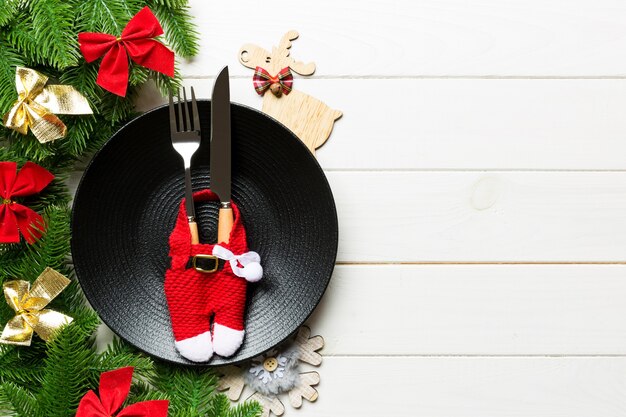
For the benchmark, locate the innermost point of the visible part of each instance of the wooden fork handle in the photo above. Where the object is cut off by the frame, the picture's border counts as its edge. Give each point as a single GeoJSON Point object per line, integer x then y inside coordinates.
{"type": "Point", "coordinates": [193, 228]}
{"type": "Point", "coordinates": [224, 224]}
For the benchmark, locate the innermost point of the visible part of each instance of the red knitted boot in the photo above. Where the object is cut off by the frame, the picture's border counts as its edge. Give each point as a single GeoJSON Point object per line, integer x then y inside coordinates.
{"type": "Point", "coordinates": [206, 305]}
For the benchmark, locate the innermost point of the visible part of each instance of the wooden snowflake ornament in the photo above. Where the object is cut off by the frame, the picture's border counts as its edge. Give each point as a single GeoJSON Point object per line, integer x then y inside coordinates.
{"type": "Point", "coordinates": [275, 373]}
{"type": "Point", "coordinates": [309, 118]}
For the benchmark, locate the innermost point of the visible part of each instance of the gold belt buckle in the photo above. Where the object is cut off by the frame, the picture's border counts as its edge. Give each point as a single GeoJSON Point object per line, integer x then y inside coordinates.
{"type": "Point", "coordinates": [205, 271]}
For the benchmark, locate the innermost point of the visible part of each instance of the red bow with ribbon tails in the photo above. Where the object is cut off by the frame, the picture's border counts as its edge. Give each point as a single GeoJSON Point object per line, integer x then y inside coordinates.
{"type": "Point", "coordinates": [137, 42]}
{"type": "Point", "coordinates": [278, 84]}
{"type": "Point", "coordinates": [113, 390]}
{"type": "Point", "coordinates": [14, 217]}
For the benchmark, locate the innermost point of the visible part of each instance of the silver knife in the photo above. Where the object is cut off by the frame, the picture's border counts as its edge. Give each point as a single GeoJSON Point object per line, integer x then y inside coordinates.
{"type": "Point", "coordinates": [220, 153]}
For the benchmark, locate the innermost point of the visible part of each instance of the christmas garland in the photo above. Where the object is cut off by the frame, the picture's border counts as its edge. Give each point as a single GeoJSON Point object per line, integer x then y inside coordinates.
{"type": "Point", "coordinates": [49, 379]}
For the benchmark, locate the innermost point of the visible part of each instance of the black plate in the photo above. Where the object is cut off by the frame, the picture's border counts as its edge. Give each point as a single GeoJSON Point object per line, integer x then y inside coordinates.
{"type": "Point", "coordinates": [126, 205]}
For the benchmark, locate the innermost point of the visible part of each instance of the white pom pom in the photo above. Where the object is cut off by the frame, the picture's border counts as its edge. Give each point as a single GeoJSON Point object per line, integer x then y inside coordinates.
{"type": "Point", "coordinates": [253, 272]}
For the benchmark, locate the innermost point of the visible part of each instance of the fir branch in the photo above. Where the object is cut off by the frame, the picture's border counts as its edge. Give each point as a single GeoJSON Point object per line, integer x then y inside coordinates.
{"type": "Point", "coordinates": [141, 391]}
{"type": "Point", "coordinates": [68, 367]}
{"type": "Point", "coordinates": [79, 132]}
{"type": "Point", "coordinates": [138, 75]}
{"type": "Point", "coordinates": [173, 4]}
{"type": "Point", "coordinates": [190, 390]}
{"type": "Point", "coordinates": [220, 406]}
{"type": "Point", "coordinates": [9, 59]}
{"type": "Point", "coordinates": [8, 154]}
{"type": "Point", "coordinates": [6, 409]}
{"type": "Point", "coordinates": [246, 409]}
{"type": "Point", "coordinates": [19, 35]}
{"type": "Point", "coordinates": [20, 365]}
{"type": "Point", "coordinates": [166, 84]}
{"type": "Point", "coordinates": [180, 33]}
{"type": "Point", "coordinates": [106, 16]}
{"type": "Point", "coordinates": [116, 109]}
{"type": "Point", "coordinates": [24, 261]}
{"type": "Point", "coordinates": [132, 7]}
{"type": "Point", "coordinates": [28, 147]}
{"type": "Point", "coordinates": [21, 401]}
{"type": "Point", "coordinates": [8, 9]}
{"type": "Point", "coordinates": [53, 31]}
{"type": "Point", "coordinates": [119, 354]}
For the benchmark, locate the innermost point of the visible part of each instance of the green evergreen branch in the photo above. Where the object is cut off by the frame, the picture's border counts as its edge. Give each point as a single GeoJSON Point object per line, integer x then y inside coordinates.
{"type": "Point", "coordinates": [189, 389]}
{"type": "Point", "coordinates": [179, 31]}
{"type": "Point", "coordinates": [6, 408]}
{"type": "Point", "coordinates": [8, 10]}
{"type": "Point", "coordinates": [166, 84]}
{"type": "Point", "coordinates": [138, 75]}
{"type": "Point", "coordinates": [172, 4]}
{"type": "Point", "coordinates": [22, 366]}
{"type": "Point", "coordinates": [220, 406]}
{"type": "Point", "coordinates": [27, 146]}
{"type": "Point", "coordinates": [68, 367]}
{"type": "Point", "coordinates": [9, 59]}
{"type": "Point", "coordinates": [19, 35]}
{"type": "Point", "coordinates": [106, 16]}
{"type": "Point", "coordinates": [20, 400]}
{"type": "Point", "coordinates": [24, 261]}
{"type": "Point", "coordinates": [53, 31]}
{"type": "Point", "coordinates": [142, 391]}
{"type": "Point", "coordinates": [247, 409]}
{"type": "Point", "coordinates": [119, 354]}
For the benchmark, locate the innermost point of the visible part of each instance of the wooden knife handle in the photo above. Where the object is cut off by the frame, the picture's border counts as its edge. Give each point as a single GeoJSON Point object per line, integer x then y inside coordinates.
{"type": "Point", "coordinates": [224, 224]}
{"type": "Point", "coordinates": [193, 228]}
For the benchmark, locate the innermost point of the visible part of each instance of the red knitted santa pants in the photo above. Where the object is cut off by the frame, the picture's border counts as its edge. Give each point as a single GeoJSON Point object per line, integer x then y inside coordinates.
{"type": "Point", "coordinates": [196, 300]}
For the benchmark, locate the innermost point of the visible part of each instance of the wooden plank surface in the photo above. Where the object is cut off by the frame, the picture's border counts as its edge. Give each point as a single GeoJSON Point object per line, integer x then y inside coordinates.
{"type": "Point", "coordinates": [480, 217]}
{"type": "Point", "coordinates": [474, 310]}
{"type": "Point", "coordinates": [459, 124]}
{"type": "Point", "coordinates": [422, 38]}
{"type": "Point", "coordinates": [470, 217]}
{"type": "Point", "coordinates": [469, 387]}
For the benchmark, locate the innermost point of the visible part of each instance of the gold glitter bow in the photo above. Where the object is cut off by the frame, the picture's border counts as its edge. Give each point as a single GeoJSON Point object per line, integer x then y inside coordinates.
{"type": "Point", "coordinates": [28, 304]}
{"type": "Point", "coordinates": [37, 103]}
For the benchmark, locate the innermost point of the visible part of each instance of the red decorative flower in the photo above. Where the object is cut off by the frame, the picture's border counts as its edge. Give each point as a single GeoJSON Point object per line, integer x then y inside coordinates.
{"type": "Point", "coordinates": [113, 390]}
{"type": "Point", "coordinates": [14, 217]}
{"type": "Point", "coordinates": [136, 41]}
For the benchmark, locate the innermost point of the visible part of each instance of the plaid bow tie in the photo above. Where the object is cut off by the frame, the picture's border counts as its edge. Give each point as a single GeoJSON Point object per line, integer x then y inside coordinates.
{"type": "Point", "coordinates": [279, 83]}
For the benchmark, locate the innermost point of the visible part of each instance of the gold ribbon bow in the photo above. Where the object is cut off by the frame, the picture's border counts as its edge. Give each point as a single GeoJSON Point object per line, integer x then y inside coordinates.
{"type": "Point", "coordinates": [37, 103]}
{"type": "Point", "coordinates": [28, 304]}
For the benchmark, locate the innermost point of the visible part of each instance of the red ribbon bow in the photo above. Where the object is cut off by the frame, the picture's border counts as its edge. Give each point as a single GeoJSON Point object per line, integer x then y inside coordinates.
{"type": "Point", "coordinates": [114, 389]}
{"type": "Point", "coordinates": [14, 217]}
{"type": "Point", "coordinates": [263, 80]}
{"type": "Point", "coordinates": [136, 41]}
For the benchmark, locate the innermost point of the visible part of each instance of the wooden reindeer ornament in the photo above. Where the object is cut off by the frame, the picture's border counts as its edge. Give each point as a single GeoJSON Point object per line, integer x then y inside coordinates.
{"type": "Point", "coordinates": [309, 118]}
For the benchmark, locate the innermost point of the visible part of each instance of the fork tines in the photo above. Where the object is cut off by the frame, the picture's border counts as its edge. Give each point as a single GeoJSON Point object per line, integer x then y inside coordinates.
{"type": "Point", "coordinates": [183, 123]}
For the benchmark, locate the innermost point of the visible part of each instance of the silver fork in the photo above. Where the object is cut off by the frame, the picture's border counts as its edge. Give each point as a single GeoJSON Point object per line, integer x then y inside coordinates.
{"type": "Point", "coordinates": [186, 141]}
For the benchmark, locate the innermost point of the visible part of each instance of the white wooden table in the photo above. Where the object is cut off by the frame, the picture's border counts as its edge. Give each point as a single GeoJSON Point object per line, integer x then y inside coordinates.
{"type": "Point", "coordinates": [494, 133]}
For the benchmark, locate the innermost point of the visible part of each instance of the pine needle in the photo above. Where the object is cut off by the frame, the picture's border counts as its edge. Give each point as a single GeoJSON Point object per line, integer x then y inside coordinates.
{"type": "Point", "coordinates": [9, 59]}
{"type": "Point", "coordinates": [20, 401]}
{"type": "Point", "coordinates": [52, 28]}
{"type": "Point", "coordinates": [179, 33]}
{"type": "Point", "coordinates": [190, 390]}
{"type": "Point", "coordinates": [8, 10]}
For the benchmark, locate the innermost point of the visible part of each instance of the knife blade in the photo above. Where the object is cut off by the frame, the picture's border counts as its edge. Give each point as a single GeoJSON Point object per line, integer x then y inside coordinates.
{"type": "Point", "coordinates": [221, 153]}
